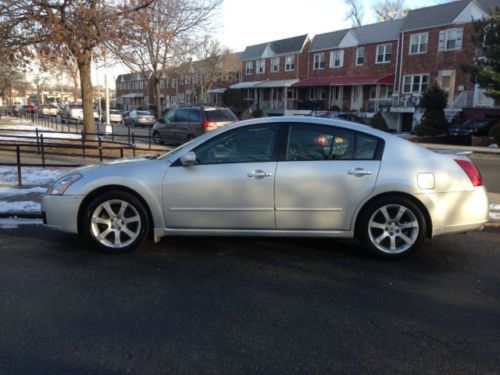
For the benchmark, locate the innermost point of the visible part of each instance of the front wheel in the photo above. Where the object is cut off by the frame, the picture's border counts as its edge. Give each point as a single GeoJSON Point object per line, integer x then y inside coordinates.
{"type": "Point", "coordinates": [116, 222]}
{"type": "Point", "coordinates": [392, 227]}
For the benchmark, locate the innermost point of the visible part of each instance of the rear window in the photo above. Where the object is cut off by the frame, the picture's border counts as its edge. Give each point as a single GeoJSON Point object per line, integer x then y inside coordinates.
{"type": "Point", "coordinates": [220, 115]}
{"type": "Point", "coordinates": [143, 113]}
{"type": "Point", "coordinates": [75, 107]}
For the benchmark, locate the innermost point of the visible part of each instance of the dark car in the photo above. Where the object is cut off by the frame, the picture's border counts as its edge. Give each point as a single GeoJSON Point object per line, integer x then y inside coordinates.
{"type": "Point", "coordinates": [139, 118]}
{"type": "Point", "coordinates": [476, 128]}
{"type": "Point", "coordinates": [30, 108]}
{"type": "Point", "coordinates": [183, 124]}
{"type": "Point", "coordinates": [346, 116]}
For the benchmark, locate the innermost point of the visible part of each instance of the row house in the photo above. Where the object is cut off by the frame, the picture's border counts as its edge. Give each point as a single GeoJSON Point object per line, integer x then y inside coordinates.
{"type": "Point", "coordinates": [178, 86]}
{"type": "Point", "coordinates": [352, 70]}
{"type": "Point", "coordinates": [269, 71]}
{"type": "Point", "coordinates": [384, 66]}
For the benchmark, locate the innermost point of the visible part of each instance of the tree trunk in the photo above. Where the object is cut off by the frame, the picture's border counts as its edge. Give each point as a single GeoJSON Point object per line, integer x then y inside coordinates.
{"type": "Point", "coordinates": [157, 97]}
{"type": "Point", "coordinates": [84, 63]}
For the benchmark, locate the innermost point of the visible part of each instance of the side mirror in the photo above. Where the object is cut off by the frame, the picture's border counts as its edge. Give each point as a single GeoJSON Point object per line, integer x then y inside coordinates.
{"type": "Point", "coordinates": [188, 159]}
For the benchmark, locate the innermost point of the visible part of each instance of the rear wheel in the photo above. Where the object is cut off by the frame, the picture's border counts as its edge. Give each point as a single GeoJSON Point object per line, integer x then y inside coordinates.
{"type": "Point", "coordinates": [116, 222]}
{"type": "Point", "coordinates": [392, 227]}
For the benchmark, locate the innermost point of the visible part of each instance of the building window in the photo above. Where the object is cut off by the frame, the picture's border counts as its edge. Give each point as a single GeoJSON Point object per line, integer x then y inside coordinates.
{"type": "Point", "coordinates": [249, 94]}
{"type": "Point", "coordinates": [174, 83]}
{"type": "Point", "coordinates": [373, 92]}
{"type": "Point", "coordinates": [419, 43]}
{"type": "Point", "coordinates": [319, 61]}
{"type": "Point", "coordinates": [337, 59]}
{"type": "Point", "coordinates": [260, 66]}
{"type": "Point", "coordinates": [415, 84]}
{"type": "Point", "coordinates": [275, 65]}
{"type": "Point", "coordinates": [450, 39]}
{"type": "Point", "coordinates": [289, 63]}
{"type": "Point", "coordinates": [316, 93]}
{"type": "Point", "coordinates": [291, 94]}
{"type": "Point", "coordinates": [162, 84]}
{"type": "Point", "coordinates": [249, 68]}
{"type": "Point", "coordinates": [384, 53]}
{"type": "Point", "coordinates": [360, 56]}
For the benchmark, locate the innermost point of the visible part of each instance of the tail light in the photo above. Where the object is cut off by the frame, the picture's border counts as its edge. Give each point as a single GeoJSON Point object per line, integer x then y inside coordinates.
{"type": "Point", "coordinates": [208, 125]}
{"type": "Point", "coordinates": [140, 118]}
{"type": "Point", "coordinates": [470, 169]}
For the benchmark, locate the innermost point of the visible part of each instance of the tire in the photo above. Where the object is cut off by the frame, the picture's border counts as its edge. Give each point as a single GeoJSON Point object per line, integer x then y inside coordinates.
{"type": "Point", "coordinates": [391, 227]}
{"type": "Point", "coordinates": [103, 217]}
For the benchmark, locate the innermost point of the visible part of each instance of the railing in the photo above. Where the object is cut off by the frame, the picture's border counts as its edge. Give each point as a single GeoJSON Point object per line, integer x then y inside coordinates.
{"type": "Point", "coordinates": [463, 100]}
{"type": "Point", "coordinates": [405, 101]}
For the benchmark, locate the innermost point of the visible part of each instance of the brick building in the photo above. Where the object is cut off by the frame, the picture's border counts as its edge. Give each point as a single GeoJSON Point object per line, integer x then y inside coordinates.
{"type": "Point", "coordinates": [384, 66]}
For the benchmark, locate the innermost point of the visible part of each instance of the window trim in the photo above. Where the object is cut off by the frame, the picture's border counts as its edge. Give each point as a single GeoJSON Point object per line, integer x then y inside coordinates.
{"type": "Point", "coordinates": [419, 43]}
{"type": "Point", "coordinates": [357, 56]}
{"type": "Point", "coordinates": [290, 67]}
{"type": "Point", "coordinates": [274, 65]}
{"type": "Point", "coordinates": [384, 54]}
{"type": "Point", "coordinates": [262, 63]}
{"type": "Point", "coordinates": [421, 75]}
{"type": "Point", "coordinates": [321, 61]}
{"type": "Point", "coordinates": [333, 59]}
{"type": "Point", "coordinates": [248, 68]}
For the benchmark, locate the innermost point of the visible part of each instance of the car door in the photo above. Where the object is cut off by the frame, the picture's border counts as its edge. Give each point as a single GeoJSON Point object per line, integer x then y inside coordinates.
{"type": "Point", "coordinates": [230, 187]}
{"type": "Point", "coordinates": [165, 128]}
{"type": "Point", "coordinates": [326, 172]}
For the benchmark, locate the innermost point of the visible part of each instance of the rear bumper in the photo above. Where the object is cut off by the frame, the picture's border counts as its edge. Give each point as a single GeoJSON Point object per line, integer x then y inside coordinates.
{"type": "Point", "coordinates": [61, 212]}
{"type": "Point", "coordinates": [458, 212]}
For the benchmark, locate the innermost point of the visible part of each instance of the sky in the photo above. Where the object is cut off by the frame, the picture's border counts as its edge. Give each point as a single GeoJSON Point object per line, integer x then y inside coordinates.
{"type": "Point", "coordinates": [241, 23]}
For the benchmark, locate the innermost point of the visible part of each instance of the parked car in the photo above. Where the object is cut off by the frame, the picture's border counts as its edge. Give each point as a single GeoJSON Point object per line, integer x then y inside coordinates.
{"type": "Point", "coordinates": [347, 116]}
{"type": "Point", "coordinates": [71, 112]}
{"type": "Point", "coordinates": [115, 116]}
{"type": "Point", "coordinates": [48, 110]}
{"type": "Point", "coordinates": [472, 128]}
{"type": "Point", "coordinates": [30, 108]}
{"type": "Point", "coordinates": [280, 176]}
{"type": "Point", "coordinates": [139, 118]}
{"type": "Point", "coordinates": [183, 124]}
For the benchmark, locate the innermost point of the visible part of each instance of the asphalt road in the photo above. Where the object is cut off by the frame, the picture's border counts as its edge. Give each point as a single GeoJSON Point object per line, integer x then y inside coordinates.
{"type": "Point", "coordinates": [230, 306]}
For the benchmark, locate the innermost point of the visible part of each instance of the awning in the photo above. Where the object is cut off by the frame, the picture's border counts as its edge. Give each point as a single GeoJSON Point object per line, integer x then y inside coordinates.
{"type": "Point", "coordinates": [277, 83]}
{"type": "Point", "coordinates": [216, 91]}
{"type": "Point", "coordinates": [133, 95]}
{"type": "Point", "coordinates": [245, 85]}
{"type": "Point", "coordinates": [387, 79]}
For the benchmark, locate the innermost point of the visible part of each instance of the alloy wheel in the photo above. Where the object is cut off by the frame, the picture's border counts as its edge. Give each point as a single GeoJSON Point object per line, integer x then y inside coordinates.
{"type": "Point", "coordinates": [393, 229]}
{"type": "Point", "coordinates": [115, 224]}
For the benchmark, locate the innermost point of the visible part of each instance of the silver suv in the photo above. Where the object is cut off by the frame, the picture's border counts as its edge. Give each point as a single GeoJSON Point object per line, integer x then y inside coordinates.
{"type": "Point", "coordinates": [183, 124]}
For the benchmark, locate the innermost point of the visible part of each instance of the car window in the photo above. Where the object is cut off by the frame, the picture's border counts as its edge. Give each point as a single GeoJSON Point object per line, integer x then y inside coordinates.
{"type": "Point", "coordinates": [243, 145]}
{"type": "Point", "coordinates": [181, 115]}
{"type": "Point", "coordinates": [170, 116]}
{"type": "Point", "coordinates": [312, 142]}
{"type": "Point", "coordinates": [220, 115]}
{"type": "Point", "coordinates": [143, 113]}
{"type": "Point", "coordinates": [357, 119]}
{"type": "Point", "coordinates": [366, 147]}
{"type": "Point", "coordinates": [193, 115]}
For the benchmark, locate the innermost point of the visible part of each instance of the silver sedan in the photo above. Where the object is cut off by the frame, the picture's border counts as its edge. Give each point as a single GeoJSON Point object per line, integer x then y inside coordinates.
{"type": "Point", "coordinates": [288, 176]}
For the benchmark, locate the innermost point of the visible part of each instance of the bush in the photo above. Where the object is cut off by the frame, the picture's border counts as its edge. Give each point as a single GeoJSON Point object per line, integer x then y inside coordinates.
{"type": "Point", "coordinates": [434, 100]}
{"type": "Point", "coordinates": [378, 121]}
{"type": "Point", "coordinates": [233, 99]}
{"type": "Point", "coordinates": [256, 113]}
{"type": "Point", "coordinates": [495, 133]}
{"type": "Point", "coordinates": [334, 108]}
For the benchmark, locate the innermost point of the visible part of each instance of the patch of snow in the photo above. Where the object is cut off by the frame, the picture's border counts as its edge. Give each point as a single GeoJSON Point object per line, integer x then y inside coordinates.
{"type": "Point", "coordinates": [494, 207]}
{"type": "Point", "coordinates": [494, 145]}
{"type": "Point", "coordinates": [494, 216]}
{"type": "Point", "coordinates": [30, 175]}
{"type": "Point", "coordinates": [14, 222]}
{"type": "Point", "coordinates": [18, 191]}
{"type": "Point", "coordinates": [46, 131]}
{"type": "Point", "coordinates": [21, 206]}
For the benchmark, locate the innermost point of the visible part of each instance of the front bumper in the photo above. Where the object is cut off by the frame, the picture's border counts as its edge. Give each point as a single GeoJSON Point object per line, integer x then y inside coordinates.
{"type": "Point", "coordinates": [61, 212]}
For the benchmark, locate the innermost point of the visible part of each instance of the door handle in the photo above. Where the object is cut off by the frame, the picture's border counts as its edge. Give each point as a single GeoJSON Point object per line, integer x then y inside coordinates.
{"type": "Point", "coordinates": [359, 172]}
{"type": "Point", "coordinates": [259, 174]}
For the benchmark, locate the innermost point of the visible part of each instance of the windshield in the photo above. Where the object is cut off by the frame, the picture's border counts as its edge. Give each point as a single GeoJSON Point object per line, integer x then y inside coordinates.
{"type": "Point", "coordinates": [220, 115]}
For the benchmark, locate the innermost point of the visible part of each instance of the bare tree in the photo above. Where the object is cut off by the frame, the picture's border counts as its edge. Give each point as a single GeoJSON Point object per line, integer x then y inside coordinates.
{"type": "Point", "coordinates": [214, 63]}
{"type": "Point", "coordinates": [386, 10]}
{"type": "Point", "coordinates": [11, 77]}
{"type": "Point", "coordinates": [162, 35]}
{"type": "Point", "coordinates": [356, 12]}
{"type": "Point", "coordinates": [79, 27]}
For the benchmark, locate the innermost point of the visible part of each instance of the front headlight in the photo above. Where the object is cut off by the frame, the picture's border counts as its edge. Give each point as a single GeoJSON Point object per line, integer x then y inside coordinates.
{"type": "Point", "coordinates": [64, 183]}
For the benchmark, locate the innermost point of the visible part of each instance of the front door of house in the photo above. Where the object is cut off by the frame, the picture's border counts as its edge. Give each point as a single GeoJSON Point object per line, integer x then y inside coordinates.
{"type": "Point", "coordinates": [446, 79]}
{"type": "Point", "coordinates": [356, 98]}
